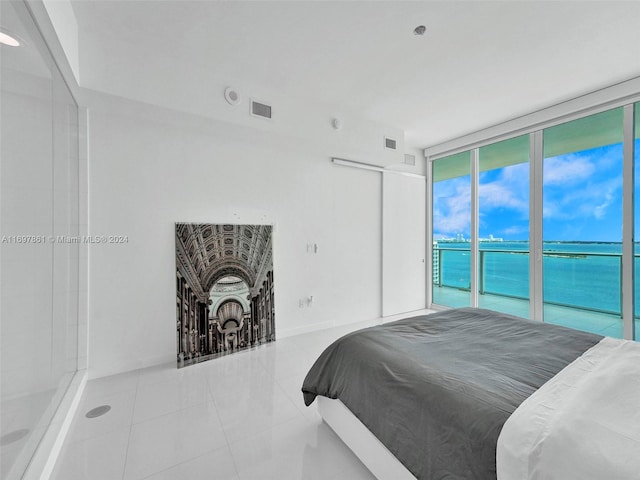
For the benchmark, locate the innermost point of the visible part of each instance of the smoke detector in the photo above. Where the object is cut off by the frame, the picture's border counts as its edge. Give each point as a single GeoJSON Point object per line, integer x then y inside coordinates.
{"type": "Point", "coordinates": [232, 96]}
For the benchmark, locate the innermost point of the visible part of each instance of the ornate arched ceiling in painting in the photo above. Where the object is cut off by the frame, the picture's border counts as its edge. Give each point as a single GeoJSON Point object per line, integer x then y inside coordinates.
{"type": "Point", "coordinates": [206, 253]}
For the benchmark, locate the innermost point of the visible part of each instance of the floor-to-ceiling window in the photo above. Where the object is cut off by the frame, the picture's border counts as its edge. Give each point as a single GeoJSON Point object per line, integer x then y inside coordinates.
{"type": "Point", "coordinates": [451, 259]}
{"type": "Point", "coordinates": [40, 245]}
{"type": "Point", "coordinates": [545, 214]}
{"type": "Point", "coordinates": [582, 223]}
{"type": "Point", "coordinates": [503, 226]}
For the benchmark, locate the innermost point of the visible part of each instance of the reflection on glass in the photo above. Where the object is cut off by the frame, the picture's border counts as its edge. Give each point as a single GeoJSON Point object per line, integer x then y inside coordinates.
{"type": "Point", "coordinates": [452, 230]}
{"type": "Point", "coordinates": [582, 223]}
{"type": "Point", "coordinates": [503, 230]}
{"type": "Point", "coordinates": [39, 256]}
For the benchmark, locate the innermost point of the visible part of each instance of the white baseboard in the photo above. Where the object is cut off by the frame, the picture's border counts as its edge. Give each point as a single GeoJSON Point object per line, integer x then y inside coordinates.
{"type": "Point", "coordinates": [46, 455]}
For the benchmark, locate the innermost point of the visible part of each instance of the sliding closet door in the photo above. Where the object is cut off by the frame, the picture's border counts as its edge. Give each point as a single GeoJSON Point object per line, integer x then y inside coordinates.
{"type": "Point", "coordinates": [403, 254]}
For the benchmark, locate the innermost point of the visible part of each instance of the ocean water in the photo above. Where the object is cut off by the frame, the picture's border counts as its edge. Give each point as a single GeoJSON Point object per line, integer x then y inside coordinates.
{"type": "Point", "coordinates": [586, 275]}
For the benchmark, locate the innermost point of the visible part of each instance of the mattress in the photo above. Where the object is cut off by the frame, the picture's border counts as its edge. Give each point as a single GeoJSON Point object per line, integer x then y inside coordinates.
{"type": "Point", "coordinates": [583, 424]}
{"type": "Point", "coordinates": [437, 389]}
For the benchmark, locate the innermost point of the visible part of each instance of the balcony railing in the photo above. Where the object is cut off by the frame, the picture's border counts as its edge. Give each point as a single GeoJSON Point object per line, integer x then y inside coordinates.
{"type": "Point", "coordinates": [586, 280]}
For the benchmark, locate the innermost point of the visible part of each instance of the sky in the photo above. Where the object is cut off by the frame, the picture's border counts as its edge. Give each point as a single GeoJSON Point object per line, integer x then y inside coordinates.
{"type": "Point", "coordinates": [582, 199]}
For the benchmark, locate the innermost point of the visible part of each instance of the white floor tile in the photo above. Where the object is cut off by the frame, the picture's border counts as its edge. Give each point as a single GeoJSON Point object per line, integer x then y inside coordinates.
{"type": "Point", "coordinates": [157, 399]}
{"type": "Point", "coordinates": [286, 363]}
{"type": "Point", "coordinates": [104, 386]}
{"type": "Point", "coordinates": [118, 416]}
{"type": "Point", "coordinates": [217, 464]}
{"type": "Point", "coordinates": [163, 442]}
{"type": "Point", "coordinates": [244, 416]}
{"type": "Point", "coordinates": [238, 417]}
{"type": "Point", "coordinates": [296, 450]}
{"type": "Point", "coordinates": [292, 387]}
{"type": "Point", "coordinates": [242, 379]}
{"type": "Point", "coordinates": [169, 372]}
{"type": "Point", "coordinates": [98, 458]}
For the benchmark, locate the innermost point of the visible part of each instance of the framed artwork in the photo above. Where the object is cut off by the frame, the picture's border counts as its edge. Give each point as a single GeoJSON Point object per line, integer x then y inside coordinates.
{"type": "Point", "coordinates": [224, 289]}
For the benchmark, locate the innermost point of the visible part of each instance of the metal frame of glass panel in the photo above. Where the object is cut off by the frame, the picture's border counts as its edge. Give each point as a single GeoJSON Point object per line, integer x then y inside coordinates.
{"type": "Point", "coordinates": [628, 192]}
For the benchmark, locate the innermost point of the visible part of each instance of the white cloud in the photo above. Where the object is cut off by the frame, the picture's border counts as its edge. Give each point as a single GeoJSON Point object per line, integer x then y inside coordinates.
{"type": "Point", "coordinates": [591, 199]}
{"type": "Point", "coordinates": [600, 211]}
{"type": "Point", "coordinates": [515, 230]}
{"type": "Point", "coordinates": [509, 190]}
{"type": "Point", "coordinates": [452, 207]}
{"type": "Point", "coordinates": [567, 169]}
{"type": "Point", "coordinates": [499, 195]}
{"type": "Point", "coordinates": [582, 185]}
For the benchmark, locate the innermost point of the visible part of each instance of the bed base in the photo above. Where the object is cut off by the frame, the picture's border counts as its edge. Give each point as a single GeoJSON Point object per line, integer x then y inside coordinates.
{"type": "Point", "coordinates": [371, 452]}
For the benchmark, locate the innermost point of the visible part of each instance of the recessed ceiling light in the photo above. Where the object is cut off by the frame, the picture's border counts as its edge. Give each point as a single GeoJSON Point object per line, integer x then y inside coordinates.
{"type": "Point", "coordinates": [8, 40]}
{"type": "Point", "coordinates": [419, 30]}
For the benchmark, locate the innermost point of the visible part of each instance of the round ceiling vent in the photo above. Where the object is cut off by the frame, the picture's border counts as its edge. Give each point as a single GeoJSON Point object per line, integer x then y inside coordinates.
{"type": "Point", "coordinates": [232, 96]}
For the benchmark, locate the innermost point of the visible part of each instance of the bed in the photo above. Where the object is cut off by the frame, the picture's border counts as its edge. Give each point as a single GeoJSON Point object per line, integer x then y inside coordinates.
{"type": "Point", "coordinates": [436, 391]}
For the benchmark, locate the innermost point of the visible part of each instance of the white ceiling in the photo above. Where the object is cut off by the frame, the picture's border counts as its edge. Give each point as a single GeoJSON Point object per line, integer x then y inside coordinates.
{"type": "Point", "coordinates": [479, 63]}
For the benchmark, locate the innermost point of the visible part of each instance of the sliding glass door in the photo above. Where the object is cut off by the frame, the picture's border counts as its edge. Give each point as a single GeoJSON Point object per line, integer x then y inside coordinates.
{"type": "Point", "coordinates": [503, 226]}
{"type": "Point", "coordinates": [582, 223]}
{"type": "Point", "coordinates": [451, 259]}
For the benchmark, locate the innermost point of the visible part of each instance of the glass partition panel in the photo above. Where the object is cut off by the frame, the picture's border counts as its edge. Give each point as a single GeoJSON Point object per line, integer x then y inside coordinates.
{"type": "Point", "coordinates": [452, 230]}
{"type": "Point", "coordinates": [39, 231]}
{"type": "Point", "coordinates": [582, 223]}
{"type": "Point", "coordinates": [503, 230]}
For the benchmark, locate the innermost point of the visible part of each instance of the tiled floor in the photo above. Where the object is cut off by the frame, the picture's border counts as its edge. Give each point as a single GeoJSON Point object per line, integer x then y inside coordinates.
{"type": "Point", "coordinates": [238, 417]}
{"type": "Point", "coordinates": [590, 321]}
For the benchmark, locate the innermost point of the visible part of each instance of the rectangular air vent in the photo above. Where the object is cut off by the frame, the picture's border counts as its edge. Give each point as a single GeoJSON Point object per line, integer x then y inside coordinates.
{"type": "Point", "coordinates": [260, 109]}
{"type": "Point", "coordinates": [409, 159]}
{"type": "Point", "coordinates": [390, 143]}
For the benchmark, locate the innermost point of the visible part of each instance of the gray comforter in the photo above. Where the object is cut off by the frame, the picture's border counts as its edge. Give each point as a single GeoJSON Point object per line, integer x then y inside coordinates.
{"type": "Point", "coordinates": [436, 389]}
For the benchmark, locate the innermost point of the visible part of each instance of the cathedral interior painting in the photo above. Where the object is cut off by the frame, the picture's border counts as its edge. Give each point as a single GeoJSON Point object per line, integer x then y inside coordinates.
{"type": "Point", "coordinates": [224, 289]}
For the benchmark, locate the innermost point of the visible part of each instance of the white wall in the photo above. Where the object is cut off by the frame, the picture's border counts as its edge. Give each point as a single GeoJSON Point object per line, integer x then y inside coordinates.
{"type": "Point", "coordinates": [151, 167]}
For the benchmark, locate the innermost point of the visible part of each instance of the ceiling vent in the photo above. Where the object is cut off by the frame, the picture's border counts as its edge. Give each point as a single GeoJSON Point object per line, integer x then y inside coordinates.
{"type": "Point", "coordinates": [261, 110]}
{"type": "Point", "coordinates": [409, 159]}
{"type": "Point", "coordinates": [390, 143]}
